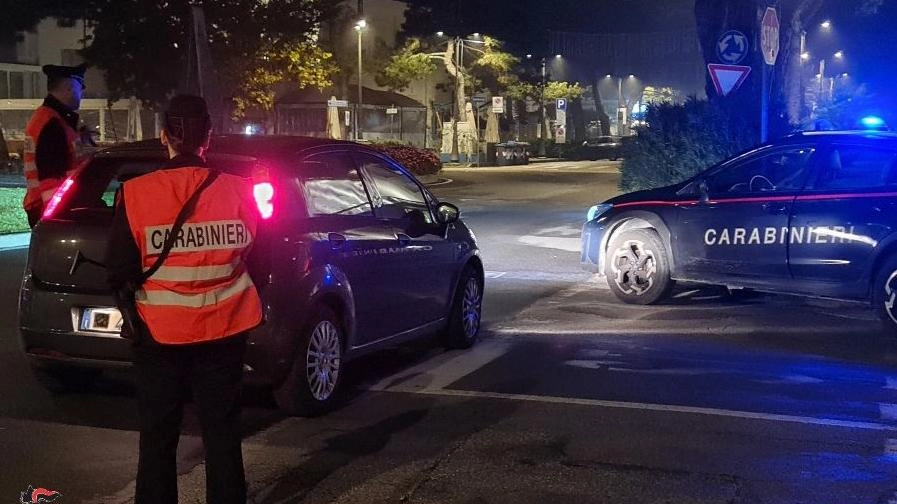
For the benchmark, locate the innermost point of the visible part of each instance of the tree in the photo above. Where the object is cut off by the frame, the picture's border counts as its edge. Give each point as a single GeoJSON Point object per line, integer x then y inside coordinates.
{"type": "Point", "coordinates": [141, 45]}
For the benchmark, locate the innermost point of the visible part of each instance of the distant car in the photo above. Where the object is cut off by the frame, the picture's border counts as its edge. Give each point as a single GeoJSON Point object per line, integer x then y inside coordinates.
{"type": "Point", "coordinates": [813, 214]}
{"type": "Point", "coordinates": [604, 147]}
{"type": "Point", "coordinates": [362, 256]}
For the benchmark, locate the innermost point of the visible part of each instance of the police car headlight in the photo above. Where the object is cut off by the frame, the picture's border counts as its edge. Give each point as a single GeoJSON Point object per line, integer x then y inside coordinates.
{"type": "Point", "coordinates": [597, 211]}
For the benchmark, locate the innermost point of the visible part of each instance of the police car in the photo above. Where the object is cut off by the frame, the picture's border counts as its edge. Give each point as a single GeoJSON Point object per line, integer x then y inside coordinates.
{"type": "Point", "coordinates": [362, 256]}
{"type": "Point", "coordinates": [812, 214]}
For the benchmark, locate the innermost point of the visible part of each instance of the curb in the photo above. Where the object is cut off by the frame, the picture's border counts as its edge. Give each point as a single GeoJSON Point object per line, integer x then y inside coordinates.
{"type": "Point", "coordinates": [15, 241]}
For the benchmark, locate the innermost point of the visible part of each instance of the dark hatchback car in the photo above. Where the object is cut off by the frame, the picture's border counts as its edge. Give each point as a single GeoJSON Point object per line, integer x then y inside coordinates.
{"type": "Point", "coordinates": [813, 214]}
{"type": "Point", "coordinates": [362, 256]}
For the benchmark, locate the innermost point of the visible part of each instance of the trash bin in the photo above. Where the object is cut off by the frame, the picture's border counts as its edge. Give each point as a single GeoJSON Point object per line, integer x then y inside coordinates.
{"type": "Point", "coordinates": [512, 153]}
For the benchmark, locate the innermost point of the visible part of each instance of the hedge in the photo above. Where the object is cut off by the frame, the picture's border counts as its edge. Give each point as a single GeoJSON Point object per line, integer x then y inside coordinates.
{"type": "Point", "coordinates": [680, 141]}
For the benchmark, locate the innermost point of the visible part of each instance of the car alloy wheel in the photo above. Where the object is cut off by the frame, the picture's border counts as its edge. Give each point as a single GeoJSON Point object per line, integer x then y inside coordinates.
{"type": "Point", "coordinates": [472, 306]}
{"type": "Point", "coordinates": [634, 266]}
{"type": "Point", "coordinates": [637, 267]}
{"type": "Point", "coordinates": [323, 360]}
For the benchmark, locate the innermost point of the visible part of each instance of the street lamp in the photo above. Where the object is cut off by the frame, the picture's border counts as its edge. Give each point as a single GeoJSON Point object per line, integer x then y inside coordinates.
{"type": "Point", "coordinates": [826, 25]}
{"type": "Point", "coordinates": [359, 28]}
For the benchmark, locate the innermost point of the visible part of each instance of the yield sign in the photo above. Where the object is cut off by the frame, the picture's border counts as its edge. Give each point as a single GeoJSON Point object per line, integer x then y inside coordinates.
{"type": "Point", "coordinates": [728, 78]}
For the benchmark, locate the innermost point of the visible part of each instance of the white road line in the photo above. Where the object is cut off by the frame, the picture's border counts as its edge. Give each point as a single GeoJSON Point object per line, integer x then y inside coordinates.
{"type": "Point", "coordinates": [426, 377]}
{"type": "Point", "coordinates": [664, 408]}
{"type": "Point", "coordinates": [552, 242]}
{"type": "Point", "coordinates": [888, 411]}
{"type": "Point", "coordinates": [587, 329]}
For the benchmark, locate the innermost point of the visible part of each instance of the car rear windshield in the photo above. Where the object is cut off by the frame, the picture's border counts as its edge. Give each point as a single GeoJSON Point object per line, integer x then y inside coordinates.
{"type": "Point", "coordinates": [97, 185]}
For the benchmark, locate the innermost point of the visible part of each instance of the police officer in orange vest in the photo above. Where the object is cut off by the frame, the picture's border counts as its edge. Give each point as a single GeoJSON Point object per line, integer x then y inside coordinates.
{"type": "Point", "coordinates": [195, 308]}
{"type": "Point", "coordinates": [52, 142]}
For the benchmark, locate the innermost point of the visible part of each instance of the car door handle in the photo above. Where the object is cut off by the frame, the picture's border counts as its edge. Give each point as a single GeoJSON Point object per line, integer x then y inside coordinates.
{"type": "Point", "coordinates": [404, 240]}
{"type": "Point", "coordinates": [775, 207]}
{"type": "Point", "coordinates": [337, 241]}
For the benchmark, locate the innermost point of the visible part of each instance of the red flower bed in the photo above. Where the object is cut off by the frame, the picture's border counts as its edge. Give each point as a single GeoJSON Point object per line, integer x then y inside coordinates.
{"type": "Point", "coordinates": [418, 161]}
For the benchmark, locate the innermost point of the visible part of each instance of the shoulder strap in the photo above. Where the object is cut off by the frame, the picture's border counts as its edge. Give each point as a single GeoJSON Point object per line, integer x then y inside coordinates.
{"type": "Point", "coordinates": [183, 215]}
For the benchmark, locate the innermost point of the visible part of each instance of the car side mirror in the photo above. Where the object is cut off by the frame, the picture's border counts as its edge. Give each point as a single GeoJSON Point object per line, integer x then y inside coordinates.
{"type": "Point", "coordinates": [446, 213]}
{"type": "Point", "coordinates": [703, 191]}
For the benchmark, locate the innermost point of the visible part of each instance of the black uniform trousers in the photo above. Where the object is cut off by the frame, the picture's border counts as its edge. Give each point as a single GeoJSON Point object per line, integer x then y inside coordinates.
{"type": "Point", "coordinates": [213, 372]}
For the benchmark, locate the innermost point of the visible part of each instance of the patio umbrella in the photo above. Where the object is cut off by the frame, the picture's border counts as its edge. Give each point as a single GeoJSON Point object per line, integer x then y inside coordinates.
{"type": "Point", "coordinates": [334, 127]}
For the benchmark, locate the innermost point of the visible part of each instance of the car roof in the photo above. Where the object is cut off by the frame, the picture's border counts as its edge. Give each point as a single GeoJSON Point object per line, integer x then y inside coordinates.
{"type": "Point", "coordinates": [256, 146]}
{"type": "Point", "coordinates": [842, 136]}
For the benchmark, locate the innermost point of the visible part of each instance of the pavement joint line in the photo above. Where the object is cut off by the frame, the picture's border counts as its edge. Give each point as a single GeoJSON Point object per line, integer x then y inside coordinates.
{"type": "Point", "coordinates": [661, 408]}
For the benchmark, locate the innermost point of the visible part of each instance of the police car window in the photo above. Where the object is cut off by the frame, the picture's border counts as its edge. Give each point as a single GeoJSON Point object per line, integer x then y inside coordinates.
{"type": "Point", "coordinates": [782, 170]}
{"type": "Point", "coordinates": [395, 194]}
{"type": "Point", "coordinates": [857, 167]}
{"type": "Point", "coordinates": [331, 186]}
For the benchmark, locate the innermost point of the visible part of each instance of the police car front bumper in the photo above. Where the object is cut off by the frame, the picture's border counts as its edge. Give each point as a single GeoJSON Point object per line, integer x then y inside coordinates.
{"type": "Point", "coordinates": [592, 246]}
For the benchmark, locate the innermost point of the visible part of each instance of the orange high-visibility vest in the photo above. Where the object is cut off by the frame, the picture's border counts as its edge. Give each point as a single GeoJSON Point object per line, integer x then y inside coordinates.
{"type": "Point", "coordinates": [202, 292]}
{"type": "Point", "coordinates": [40, 191]}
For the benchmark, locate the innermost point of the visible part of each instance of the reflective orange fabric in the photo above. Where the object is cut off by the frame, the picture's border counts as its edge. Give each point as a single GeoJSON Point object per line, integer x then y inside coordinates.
{"type": "Point", "coordinates": [202, 292]}
{"type": "Point", "coordinates": [40, 191]}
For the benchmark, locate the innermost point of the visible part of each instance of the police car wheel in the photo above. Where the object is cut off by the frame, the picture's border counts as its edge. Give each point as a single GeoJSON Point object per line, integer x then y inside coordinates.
{"type": "Point", "coordinates": [637, 268]}
{"type": "Point", "coordinates": [62, 379]}
{"type": "Point", "coordinates": [464, 320]}
{"type": "Point", "coordinates": [312, 386]}
{"type": "Point", "coordinates": [884, 295]}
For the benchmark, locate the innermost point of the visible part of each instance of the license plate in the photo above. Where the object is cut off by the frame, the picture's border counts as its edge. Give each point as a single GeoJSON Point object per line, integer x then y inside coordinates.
{"type": "Point", "coordinates": [104, 320]}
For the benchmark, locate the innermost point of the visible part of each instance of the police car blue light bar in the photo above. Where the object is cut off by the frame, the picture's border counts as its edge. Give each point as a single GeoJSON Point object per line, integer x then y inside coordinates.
{"type": "Point", "coordinates": [873, 122]}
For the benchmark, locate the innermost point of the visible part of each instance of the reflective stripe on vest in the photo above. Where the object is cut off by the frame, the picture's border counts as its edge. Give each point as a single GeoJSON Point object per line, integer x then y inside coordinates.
{"type": "Point", "coordinates": [192, 273]}
{"type": "Point", "coordinates": [202, 300]}
{"type": "Point", "coordinates": [202, 292]}
{"type": "Point", "coordinates": [40, 191]}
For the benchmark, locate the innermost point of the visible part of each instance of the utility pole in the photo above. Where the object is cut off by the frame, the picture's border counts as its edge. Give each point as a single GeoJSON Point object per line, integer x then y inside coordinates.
{"type": "Point", "coordinates": [542, 112]}
{"type": "Point", "coordinates": [456, 156]}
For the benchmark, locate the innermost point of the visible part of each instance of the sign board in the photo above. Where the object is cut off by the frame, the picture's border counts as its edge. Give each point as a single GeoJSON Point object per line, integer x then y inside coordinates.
{"type": "Point", "coordinates": [348, 119]}
{"type": "Point", "coordinates": [392, 111]}
{"type": "Point", "coordinates": [562, 104]}
{"type": "Point", "coordinates": [498, 104]}
{"type": "Point", "coordinates": [732, 47]}
{"type": "Point", "coordinates": [769, 36]}
{"type": "Point", "coordinates": [561, 134]}
{"type": "Point", "coordinates": [478, 100]}
{"type": "Point", "coordinates": [728, 78]}
{"type": "Point", "coordinates": [338, 103]}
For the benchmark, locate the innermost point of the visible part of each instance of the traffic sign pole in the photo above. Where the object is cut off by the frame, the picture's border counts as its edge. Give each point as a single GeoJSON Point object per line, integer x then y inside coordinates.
{"type": "Point", "coordinates": [769, 46]}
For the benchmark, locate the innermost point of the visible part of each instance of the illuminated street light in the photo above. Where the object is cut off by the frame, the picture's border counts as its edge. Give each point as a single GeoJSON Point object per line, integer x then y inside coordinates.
{"type": "Point", "coordinates": [839, 55]}
{"type": "Point", "coordinates": [359, 27]}
{"type": "Point", "coordinates": [826, 25]}
{"type": "Point", "coordinates": [476, 35]}
{"type": "Point", "coordinates": [440, 33]}
{"type": "Point", "coordinates": [529, 56]}
{"type": "Point", "coordinates": [845, 75]}
{"type": "Point", "coordinates": [805, 56]}
{"type": "Point", "coordinates": [557, 56]}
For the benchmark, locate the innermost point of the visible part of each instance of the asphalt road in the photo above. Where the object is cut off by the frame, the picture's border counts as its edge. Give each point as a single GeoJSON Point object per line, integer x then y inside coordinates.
{"type": "Point", "coordinates": [569, 397]}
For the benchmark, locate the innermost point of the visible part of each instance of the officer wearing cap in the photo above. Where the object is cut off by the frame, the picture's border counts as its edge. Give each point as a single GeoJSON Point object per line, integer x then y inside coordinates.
{"type": "Point", "coordinates": [194, 310]}
{"type": "Point", "coordinates": [53, 147]}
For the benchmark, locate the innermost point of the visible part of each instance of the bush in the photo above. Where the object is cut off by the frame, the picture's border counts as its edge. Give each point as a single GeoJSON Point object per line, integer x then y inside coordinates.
{"type": "Point", "coordinates": [681, 140]}
{"type": "Point", "coordinates": [418, 161]}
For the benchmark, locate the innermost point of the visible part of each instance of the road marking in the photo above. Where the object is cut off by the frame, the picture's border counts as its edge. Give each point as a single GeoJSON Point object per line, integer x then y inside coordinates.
{"type": "Point", "coordinates": [459, 365]}
{"type": "Point", "coordinates": [888, 411]}
{"type": "Point", "coordinates": [545, 276]}
{"type": "Point", "coordinates": [662, 408]}
{"type": "Point", "coordinates": [586, 329]}
{"type": "Point", "coordinates": [565, 230]}
{"type": "Point", "coordinates": [552, 242]}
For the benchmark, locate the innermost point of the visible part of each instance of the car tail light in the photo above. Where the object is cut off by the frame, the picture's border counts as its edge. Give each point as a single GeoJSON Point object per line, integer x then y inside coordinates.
{"type": "Point", "coordinates": [263, 192]}
{"type": "Point", "coordinates": [53, 204]}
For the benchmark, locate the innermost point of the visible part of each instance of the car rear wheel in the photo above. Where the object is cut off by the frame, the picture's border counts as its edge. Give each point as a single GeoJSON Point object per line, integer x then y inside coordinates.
{"type": "Point", "coordinates": [464, 320]}
{"type": "Point", "coordinates": [312, 386]}
{"type": "Point", "coordinates": [637, 267]}
{"type": "Point", "coordinates": [884, 295]}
